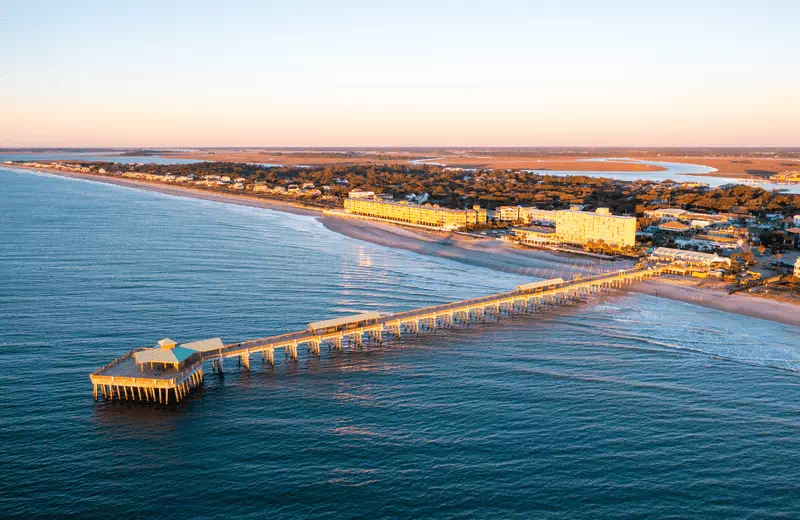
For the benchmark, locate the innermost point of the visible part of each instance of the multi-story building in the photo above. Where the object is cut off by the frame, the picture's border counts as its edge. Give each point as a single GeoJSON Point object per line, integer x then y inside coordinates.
{"type": "Point", "coordinates": [582, 227]}
{"type": "Point", "coordinates": [540, 216]}
{"type": "Point", "coordinates": [421, 215]}
{"type": "Point", "coordinates": [509, 213]}
{"type": "Point", "coordinates": [797, 268]}
{"type": "Point", "coordinates": [526, 214]}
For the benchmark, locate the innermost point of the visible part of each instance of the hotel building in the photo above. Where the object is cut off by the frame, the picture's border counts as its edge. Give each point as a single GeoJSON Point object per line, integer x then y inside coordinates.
{"type": "Point", "coordinates": [582, 227]}
{"type": "Point", "coordinates": [421, 215]}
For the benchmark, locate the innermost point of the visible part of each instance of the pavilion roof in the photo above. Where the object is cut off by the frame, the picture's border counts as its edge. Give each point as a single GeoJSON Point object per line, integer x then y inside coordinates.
{"type": "Point", "coordinates": [165, 353]}
{"type": "Point", "coordinates": [160, 355]}
{"type": "Point", "coordinates": [345, 320]}
{"type": "Point", "coordinates": [204, 345]}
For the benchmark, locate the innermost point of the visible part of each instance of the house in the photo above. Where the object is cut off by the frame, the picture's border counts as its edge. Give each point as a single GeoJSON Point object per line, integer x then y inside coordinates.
{"type": "Point", "coordinates": [361, 194]}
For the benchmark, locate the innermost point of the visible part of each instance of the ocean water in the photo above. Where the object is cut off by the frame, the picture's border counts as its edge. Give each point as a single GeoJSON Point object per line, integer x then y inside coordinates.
{"type": "Point", "coordinates": [627, 406]}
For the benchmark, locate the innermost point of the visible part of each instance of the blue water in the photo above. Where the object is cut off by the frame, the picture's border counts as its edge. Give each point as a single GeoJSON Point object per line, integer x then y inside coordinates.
{"type": "Point", "coordinates": [676, 172]}
{"type": "Point", "coordinates": [627, 407]}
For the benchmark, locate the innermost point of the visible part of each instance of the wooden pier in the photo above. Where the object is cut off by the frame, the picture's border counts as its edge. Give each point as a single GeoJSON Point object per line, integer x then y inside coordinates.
{"type": "Point", "coordinates": [136, 376]}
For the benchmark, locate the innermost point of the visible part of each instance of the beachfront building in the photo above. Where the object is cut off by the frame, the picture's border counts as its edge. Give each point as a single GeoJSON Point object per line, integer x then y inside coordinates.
{"type": "Point", "coordinates": [691, 258]}
{"type": "Point", "coordinates": [541, 217]}
{"type": "Point", "coordinates": [510, 213]}
{"type": "Point", "coordinates": [581, 227]}
{"type": "Point", "coordinates": [577, 227]}
{"type": "Point", "coordinates": [797, 268]}
{"type": "Point", "coordinates": [536, 236]}
{"type": "Point", "coordinates": [526, 214]}
{"type": "Point", "coordinates": [426, 215]}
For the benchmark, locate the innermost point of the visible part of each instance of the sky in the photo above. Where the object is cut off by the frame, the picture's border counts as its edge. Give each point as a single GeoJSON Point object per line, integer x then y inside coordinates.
{"type": "Point", "coordinates": [373, 73]}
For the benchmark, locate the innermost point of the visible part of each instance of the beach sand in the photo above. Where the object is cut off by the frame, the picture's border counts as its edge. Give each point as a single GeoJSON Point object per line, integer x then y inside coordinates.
{"type": "Point", "coordinates": [489, 253]}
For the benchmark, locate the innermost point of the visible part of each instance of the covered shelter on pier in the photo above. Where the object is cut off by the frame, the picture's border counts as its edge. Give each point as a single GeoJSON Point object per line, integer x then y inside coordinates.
{"type": "Point", "coordinates": [541, 285]}
{"type": "Point", "coordinates": [171, 355]}
{"type": "Point", "coordinates": [344, 323]}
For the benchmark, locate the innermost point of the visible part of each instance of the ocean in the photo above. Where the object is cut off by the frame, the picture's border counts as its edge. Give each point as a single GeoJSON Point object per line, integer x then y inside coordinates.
{"type": "Point", "coordinates": [626, 406]}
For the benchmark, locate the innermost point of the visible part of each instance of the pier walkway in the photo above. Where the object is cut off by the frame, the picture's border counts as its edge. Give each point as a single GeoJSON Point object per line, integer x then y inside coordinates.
{"type": "Point", "coordinates": [125, 378]}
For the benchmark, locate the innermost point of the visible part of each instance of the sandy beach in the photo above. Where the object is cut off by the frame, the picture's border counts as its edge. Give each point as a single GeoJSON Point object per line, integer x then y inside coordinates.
{"type": "Point", "coordinates": [486, 252]}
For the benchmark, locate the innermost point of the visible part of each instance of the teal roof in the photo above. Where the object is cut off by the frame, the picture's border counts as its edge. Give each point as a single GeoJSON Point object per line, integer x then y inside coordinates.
{"type": "Point", "coordinates": [182, 353]}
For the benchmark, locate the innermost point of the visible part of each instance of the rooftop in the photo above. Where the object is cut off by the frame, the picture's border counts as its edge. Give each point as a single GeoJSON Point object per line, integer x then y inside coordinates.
{"type": "Point", "coordinates": [169, 352]}
{"type": "Point", "coordinates": [599, 212]}
{"type": "Point", "coordinates": [674, 226]}
{"type": "Point", "coordinates": [536, 229]}
{"type": "Point", "coordinates": [432, 207]}
{"type": "Point", "coordinates": [543, 283]}
{"type": "Point", "coordinates": [680, 254]}
{"type": "Point", "coordinates": [344, 320]}
{"type": "Point", "coordinates": [721, 240]}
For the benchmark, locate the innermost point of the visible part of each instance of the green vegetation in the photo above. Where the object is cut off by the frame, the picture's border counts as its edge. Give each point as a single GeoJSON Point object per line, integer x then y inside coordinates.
{"type": "Point", "coordinates": [490, 188]}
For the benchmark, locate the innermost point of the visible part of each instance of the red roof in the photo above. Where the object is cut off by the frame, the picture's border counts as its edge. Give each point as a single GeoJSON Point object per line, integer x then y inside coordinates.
{"type": "Point", "coordinates": [674, 226]}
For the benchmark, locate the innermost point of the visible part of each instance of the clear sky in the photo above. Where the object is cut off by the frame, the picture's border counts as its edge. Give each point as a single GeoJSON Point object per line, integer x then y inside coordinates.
{"type": "Point", "coordinates": [403, 73]}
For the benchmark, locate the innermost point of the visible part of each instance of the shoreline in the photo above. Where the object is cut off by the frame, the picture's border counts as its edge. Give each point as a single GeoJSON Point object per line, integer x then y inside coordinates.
{"type": "Point", "coordinates": [479, 252]}
{"type": "Point", "coordinates": [182, 191]}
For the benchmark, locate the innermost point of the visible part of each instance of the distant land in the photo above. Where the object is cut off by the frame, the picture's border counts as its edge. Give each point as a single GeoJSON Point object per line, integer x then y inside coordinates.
{"type": "Point", "coordinates": [753, 163]}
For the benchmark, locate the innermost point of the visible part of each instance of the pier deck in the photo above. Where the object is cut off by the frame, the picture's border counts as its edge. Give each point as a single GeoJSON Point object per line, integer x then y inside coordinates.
{"type": "Point", "coordinates": [123, 378]}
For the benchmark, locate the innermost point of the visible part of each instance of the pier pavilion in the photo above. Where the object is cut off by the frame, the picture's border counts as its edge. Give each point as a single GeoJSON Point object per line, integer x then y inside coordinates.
{"type": "Point", "coordinates": [155, 373]}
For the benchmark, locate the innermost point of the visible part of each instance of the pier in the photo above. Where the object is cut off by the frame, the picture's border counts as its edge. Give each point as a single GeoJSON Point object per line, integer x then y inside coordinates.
{"type": "Point", "coordinates": [169, 372]}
